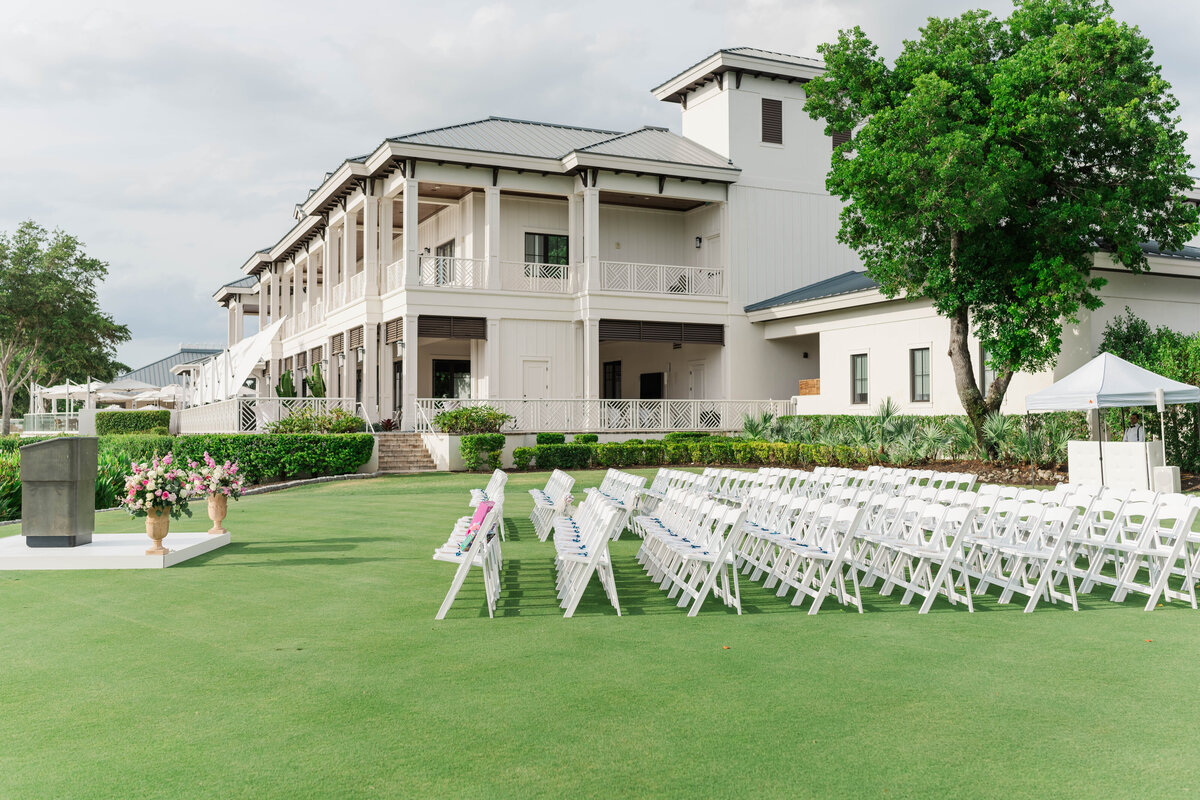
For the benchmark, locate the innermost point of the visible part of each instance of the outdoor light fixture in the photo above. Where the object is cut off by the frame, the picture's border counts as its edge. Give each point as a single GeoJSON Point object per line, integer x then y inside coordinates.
{"type": "Point", "coordinates": [426, 251]}
{"type": "Point", "coordinates": [362, 351]}
{"type": "Point", "coordinates": [341, 358]}
{"type": "Point", "coordinates": [699, 242]}
{"type": "Point", "coordinates": [399, 349]}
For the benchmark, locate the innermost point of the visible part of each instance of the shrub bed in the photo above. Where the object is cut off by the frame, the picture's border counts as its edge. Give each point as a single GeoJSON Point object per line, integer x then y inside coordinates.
{"type": "Point", "coordinates": [551, 438]}
{"type": "Point", "coordinates": [261, 458]}
{"type": "Point", "coordinates": [108, 422]}
{"type": "Point", "coordinates": [481, 450]}
{"type": "Point", "coordinates": [709, 451]}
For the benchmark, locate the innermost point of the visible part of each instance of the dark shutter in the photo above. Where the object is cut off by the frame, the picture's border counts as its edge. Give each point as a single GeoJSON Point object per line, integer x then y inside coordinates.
{"type": "Point", "coordinates": [840, 138]}
{"type": "Point", "coordinates": [356, 337]}
{"type": "Point", "coordinates": [314, 355]}
{"type": "Point", "coordinates": [394, 331]}
{"type": "Point", "coordinates": [339, 343]}
{"type": "Point", "coordinates": [452, 327]}
{"type": "Point", "coordinates": [287, 364]}
{"type": "Point", "coordinates": [630, 330]}
{"type": "Point", "coordinates": [301, 359]}
{"type": "Point", "coordinates": [772, 121]}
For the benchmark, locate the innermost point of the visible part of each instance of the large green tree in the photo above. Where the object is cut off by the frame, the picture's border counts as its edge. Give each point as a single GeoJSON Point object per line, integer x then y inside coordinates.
{"type": "Point", "coordinates": [51, 325]}
{"type": "Point", "coordinates": [996, 163]}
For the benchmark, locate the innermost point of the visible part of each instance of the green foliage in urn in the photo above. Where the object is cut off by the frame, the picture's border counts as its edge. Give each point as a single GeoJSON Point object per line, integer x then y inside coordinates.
{"type": "Point", "coordinates": [472, 419]}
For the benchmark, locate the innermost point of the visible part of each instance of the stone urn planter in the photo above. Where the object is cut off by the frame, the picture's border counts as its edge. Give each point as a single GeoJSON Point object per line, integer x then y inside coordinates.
{"type": "Point", "coordinates": [158, 522]}
{"type": "Point", "coordinates": [218, 508]}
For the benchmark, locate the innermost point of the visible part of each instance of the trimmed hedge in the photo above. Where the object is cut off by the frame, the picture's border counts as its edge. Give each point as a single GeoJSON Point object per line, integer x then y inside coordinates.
{"type": "Point", "coordinates": [108, 422]}
{"type": "Point", "coordinates": [482, 450]}
{"type": "Point", "coordinates": [551, 438]}
{"type": "Point", "coordinates": [585, 438]}
{"type": "Point", "coordinates": [708, 451]}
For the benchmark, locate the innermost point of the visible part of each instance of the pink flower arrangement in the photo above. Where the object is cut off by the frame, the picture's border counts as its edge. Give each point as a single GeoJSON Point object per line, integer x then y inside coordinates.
{"type": "Point", "coordinates": [213, 478]}
{"type": "Point", "coordinates": [158, 484]}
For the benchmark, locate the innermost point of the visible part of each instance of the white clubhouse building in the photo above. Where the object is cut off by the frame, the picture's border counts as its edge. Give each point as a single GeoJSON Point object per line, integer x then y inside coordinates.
{"type": "Point", "coordinates": [554, 271]}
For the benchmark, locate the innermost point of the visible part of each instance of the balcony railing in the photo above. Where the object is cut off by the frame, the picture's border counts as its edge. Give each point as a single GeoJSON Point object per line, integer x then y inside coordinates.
{"type": "Point", "coordinates": [255, 414]}
{"type": "Point", "coordinates": [459, 273]}
{"type": "Point", "coordinates": [619, 276]}
{"type": "Point", "coordinates": [358, 286]}
{"type": "Point", "coordinates": [393, 275]}
{"type": "Point", "coordinates": [610, 416]}
{"type": "Point", "coordinates": [518, 276]}
{"type": "Point", "coordinates": [337, 295]}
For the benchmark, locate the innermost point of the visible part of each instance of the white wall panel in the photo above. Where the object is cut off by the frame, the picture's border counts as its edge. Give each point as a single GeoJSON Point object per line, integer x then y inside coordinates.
{"type": "Point", "coordinates": [536, 339]}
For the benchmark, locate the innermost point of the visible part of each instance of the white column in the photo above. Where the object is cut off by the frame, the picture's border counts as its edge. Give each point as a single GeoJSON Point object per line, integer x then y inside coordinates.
{"type": "Point", "coordinates": [349, 245]}
{"type": "Point", "coordinates": [329, 267]}
{"type": "Point", "coordinates": [573, 248]}
{"type": "Point", "coordinates": [310, 282]}
{"type": "Point", "coordinates": [491, 235]}
{"type": "Point", "coordinates": [370, 368]}
{"type": "Point", "coordinates": [591, 359]}
{"type": "Point", "coordinates": [492, 359]}
{"type": "Point", "coordinates": [411, 252]}
{"type": "Point", "coordinates": [371, 246]}
{"type": "Point", "coordinates": [386, 232]}
{"type": "Point", "coordinates": [276, 295]}
{"type": "Point", "coordinates": [410, 368]}
{"type": "Point", "coordinates": [591, 237]}
{"type": "Point", "coordinates": [294, 296]}
{"type": "Point", "coordinates": [349, 386]}
{"type": "Point", "coordinates": [384, 359]}
{"type": "Point", "coordinates": [231, 335]}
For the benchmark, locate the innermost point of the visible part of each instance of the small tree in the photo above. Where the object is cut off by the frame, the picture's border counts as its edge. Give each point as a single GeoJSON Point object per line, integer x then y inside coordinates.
{"type": "Point", "coordinates": [316, 382]}
{"type": "Point", "coordinates": [991, 164]}
{"type": "Point", "coordinates": [286, 386]}
{"type": "Point", "coordinates": [51, 325]}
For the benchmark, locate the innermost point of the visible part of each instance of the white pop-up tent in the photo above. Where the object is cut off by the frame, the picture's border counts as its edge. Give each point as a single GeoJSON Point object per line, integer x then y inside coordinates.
{"type": "Point", "coordinates": [1110, 382]}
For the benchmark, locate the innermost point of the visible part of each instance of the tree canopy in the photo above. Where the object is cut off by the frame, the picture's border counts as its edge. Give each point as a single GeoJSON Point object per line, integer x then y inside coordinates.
{"type": "Point", "coordinates": [994, 161]}
{"type": "Point", "coordinates": [51, 324]}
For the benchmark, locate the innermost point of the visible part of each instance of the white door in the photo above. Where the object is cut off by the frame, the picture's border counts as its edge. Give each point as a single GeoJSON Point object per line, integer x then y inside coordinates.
{"type": "Point", "coordinates": [535, 379]}
{"type": "Point", "coordinates": [696, 381]}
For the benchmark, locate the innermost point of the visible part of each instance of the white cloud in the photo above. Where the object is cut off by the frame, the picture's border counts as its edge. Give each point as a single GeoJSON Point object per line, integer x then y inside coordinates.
{"type": "Point", "coordinates": [175, 139]}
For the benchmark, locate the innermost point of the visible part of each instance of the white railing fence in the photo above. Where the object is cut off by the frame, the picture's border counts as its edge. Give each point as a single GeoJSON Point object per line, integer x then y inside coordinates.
{"type": "Point", "coordinates": [618, 276]}
{"type": "Point", "coordinates": [393, 275]}
{"type": "Point", "coordinates": [609, 416]}
{"type": "Point", "coordinates": [50, 423]}
{"type": "Point", "coordinates": [358, 286]}
{"type": "Point", "coordinates": [461, 273]}
{"type": "Point", "coordinates": [337, 295]}
{"type": "Point", "coordinates": [255, 414]}
{"type": "Point", "coordinates": [520, 276]}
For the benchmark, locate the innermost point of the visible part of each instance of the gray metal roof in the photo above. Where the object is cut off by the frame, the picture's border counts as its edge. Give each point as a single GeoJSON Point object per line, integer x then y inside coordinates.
{"type": "Point", "coordinates": [846, 283]}
{"type": "Point", "coordinates": [241, 283]}
{"type": "Point", "coordinates": [771, 55]}
{"type": "Point", "coordinates": [658, 144]}
{"type": "Point", "coordinates": [159, 373]}
{"type": "Point", "coordinates": [510, 136]}
{"type": "Point", "coordinates": [1186, 253]}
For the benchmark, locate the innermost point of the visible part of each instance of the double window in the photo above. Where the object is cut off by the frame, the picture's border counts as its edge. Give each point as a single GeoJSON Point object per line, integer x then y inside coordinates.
{"type": "Point", "coordinates": [858, 378]}
{"type": "Point", "coordinates": [918, 374]}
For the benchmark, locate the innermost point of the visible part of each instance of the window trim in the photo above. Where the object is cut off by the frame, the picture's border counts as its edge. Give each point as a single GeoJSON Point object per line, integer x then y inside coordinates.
{"type": "Point", "coordinates": [866, 401]}
{"type": "Point", "coordinates": [912, 374]}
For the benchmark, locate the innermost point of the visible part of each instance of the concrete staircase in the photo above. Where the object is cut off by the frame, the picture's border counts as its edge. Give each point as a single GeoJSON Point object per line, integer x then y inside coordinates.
{"type": "Point", "coordinates": [403, 452]}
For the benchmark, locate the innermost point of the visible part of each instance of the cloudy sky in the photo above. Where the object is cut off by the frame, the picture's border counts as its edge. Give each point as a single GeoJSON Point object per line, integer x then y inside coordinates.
{"type": "Point", "coordinates": [175, 139]}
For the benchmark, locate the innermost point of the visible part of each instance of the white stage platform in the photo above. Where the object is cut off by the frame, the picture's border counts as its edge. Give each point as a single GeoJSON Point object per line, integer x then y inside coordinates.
{"type": "Point", "coordinates": [109, 551]}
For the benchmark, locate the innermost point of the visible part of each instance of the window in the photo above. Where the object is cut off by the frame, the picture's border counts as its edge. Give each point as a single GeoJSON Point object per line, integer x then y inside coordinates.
{"type": "Point", "coordinates": [611, 388]}
{"type": "Point", "coordinates": [858, 378]}
{"type": "Point", "coordinates": [549, 250]}
{"type": "Point", "coordinates": [986, 373]}
{"type": "Point", "coordinates": [918, 374]}
{"type": "Point", "coordinates": [772, 121]}
{"type": "Point", "coordinates": [451, 378]}
{"type": "Point", "coordinates": [443, 265]}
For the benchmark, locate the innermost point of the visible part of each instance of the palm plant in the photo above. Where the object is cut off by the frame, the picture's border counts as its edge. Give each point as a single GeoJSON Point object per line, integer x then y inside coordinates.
{"type": "Point", "coordinates": [933, 439]}
{"type": "Point", "coordinates": [793, 429]}
{"type": "Point", "coordinates": [885, 422]}
{"type": "Point", "coordinates": [961, 436]}
{"type": "Point", "coordinates": [316, 382]}
{"type": "Point", "coordinates": [286, 387]}
{"type": "Point", "coordinates": [862, 431]}
{"type": "Point", "coordinates": [759, 428]}
{"type": "Point", "coordinates": [998, 432]}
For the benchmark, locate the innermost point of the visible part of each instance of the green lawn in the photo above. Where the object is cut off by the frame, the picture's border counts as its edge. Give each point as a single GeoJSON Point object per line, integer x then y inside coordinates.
{"type": "Point", "coordinates": [304, 661]}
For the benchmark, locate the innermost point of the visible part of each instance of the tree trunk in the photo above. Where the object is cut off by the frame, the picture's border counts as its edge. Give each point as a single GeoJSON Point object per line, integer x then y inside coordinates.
{"type": "Point", "coordinates": [973, 402]}
{"type": "Point", "coordinates": [6, 399]}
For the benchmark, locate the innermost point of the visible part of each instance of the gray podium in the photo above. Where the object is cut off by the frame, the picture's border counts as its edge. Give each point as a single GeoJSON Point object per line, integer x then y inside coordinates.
{"type": "Point", "coordinates": [58, 491]}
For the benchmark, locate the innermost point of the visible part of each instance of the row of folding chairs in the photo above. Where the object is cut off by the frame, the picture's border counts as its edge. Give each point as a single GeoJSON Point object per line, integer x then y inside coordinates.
{"type": "Point", "coordinates": [620, 490]}
{"type": "Point", "coordinates": [494, 493]}
{"type": "Point", "coordinates": [474, 543]}
{"type": "Point", "coordinates": [581, 551]}
{"type": "Point", "coordinates": [550, 502]}
{"type": "Point", "coordinates": [665, 480]}
{"type": "Point", "coordinates": [937, 538]}
{"type": "Point", "coordinates": [688, 546]}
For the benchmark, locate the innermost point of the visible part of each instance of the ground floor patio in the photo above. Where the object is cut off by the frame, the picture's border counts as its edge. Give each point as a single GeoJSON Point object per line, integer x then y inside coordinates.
{"type": "Point", "coordinates": [302, 660]}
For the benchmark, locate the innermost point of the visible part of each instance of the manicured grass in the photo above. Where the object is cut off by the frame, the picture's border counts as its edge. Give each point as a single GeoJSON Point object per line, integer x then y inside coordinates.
{"type": "Point", "coordinates": [304, 661]}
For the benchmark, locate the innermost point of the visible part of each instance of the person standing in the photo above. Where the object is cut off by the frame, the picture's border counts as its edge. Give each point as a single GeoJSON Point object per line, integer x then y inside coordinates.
{"type": "Point", "coordinates": [1136, 432]}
